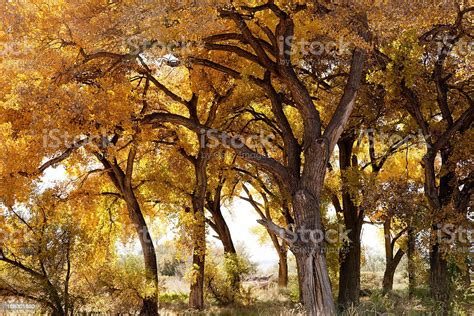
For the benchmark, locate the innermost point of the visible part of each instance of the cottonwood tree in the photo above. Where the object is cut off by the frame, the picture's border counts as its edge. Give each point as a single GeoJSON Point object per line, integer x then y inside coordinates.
{"type": "Point", "coordinates": [304, 182]}
{"type": "Point", "coordinates": [80, 61]}
{"type": "Point", "coordinates": [441, 106]}
{"type": "Point", "coordinates": [44, 244]}
{"type": "Point", "coordinates": [362, 153]}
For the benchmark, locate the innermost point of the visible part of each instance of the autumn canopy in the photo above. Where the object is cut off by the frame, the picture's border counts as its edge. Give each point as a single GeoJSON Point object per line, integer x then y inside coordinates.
{"type": "Point", "coordinates": [321, 116]}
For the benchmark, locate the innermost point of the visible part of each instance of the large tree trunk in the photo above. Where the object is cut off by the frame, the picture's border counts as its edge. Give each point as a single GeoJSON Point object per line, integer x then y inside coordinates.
{"type": "Point", "coordinates": [439, 276]}
{"type": "Point", "coordinates": [387, 283]}
{"type": "Point", "coordinates": [315, 284]}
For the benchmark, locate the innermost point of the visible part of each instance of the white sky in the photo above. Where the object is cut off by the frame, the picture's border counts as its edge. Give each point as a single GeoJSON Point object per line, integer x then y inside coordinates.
{"type": "Point", "coordinates": [241, 219]}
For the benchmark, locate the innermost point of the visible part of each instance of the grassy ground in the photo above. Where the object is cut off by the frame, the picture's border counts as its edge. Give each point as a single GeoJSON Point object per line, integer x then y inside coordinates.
{"type": "Point", "coordinates": [268, 299]}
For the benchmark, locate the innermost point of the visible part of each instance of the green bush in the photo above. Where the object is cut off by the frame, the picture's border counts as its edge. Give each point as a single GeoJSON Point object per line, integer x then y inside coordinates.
{"type": "Point", "coordinates": [222, 278]}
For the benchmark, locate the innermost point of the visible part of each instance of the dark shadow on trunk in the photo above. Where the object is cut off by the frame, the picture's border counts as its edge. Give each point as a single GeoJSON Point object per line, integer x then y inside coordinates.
{"type": "Point", "coordinates": [349, 255]}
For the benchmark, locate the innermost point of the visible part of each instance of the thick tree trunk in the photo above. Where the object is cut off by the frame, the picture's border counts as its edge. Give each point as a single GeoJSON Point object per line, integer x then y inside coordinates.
{"type": "Point", "coordinates": [315, 283]}
{"type": "Point", "coordinates": [387, 283]}
{"type": "Point", "coordinates": [308, 249]}
{"type": "Point", "coordinates": [56, 312]}
{"type": "Point", "coordinates": [439, 277]}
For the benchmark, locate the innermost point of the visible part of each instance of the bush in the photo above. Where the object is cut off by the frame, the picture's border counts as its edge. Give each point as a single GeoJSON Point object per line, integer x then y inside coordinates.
{"type": "Point", "coordinates": [222, 278]}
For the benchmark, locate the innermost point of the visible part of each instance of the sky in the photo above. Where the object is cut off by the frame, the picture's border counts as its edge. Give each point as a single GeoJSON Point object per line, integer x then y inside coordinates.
{"type": "Point", "coordinates": [242, 220]}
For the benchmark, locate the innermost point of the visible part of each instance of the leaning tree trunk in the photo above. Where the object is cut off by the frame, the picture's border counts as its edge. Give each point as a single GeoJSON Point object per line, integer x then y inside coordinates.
{"type": "Point", "coordinates": [123, 182]}
{"type": "Point", "coordinates": [390, 268]}
{"type": "Point", "coordinates": [222, 229]}
{"type": "Point", "coordinates": [391, 261]}
{"type": "Point", "coordinates": [150, 303]}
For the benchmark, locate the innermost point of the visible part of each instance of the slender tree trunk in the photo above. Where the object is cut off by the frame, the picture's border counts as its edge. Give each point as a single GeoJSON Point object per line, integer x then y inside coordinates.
{"type": "Point", "coordinates": [439, 278]}
{"type": "Point", "coordinates": [283, 268]}
{"type": "Point", "coordinates": [282, 251]}
{"type": "Point", "coordinates": [300, 282]}
{"type": "Point", "coordinates": [123, 183]}
{"type": "Point", "coordinates": [390, 269]}
{"type": "Point", "coordinates": [196, 296]}
{"type": "Point", "coordinates": [391, 261]}
{"type": "Point", "coordinates": [150, 303]}
{"type": "Point", "coordinates": [222, 229]}
{"type": "Point", "coordinates": [411, 263]}
{"type": "Point", "coordinates": [349, 256]}
{"type": "Point", "coordinates": [230, 252]}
